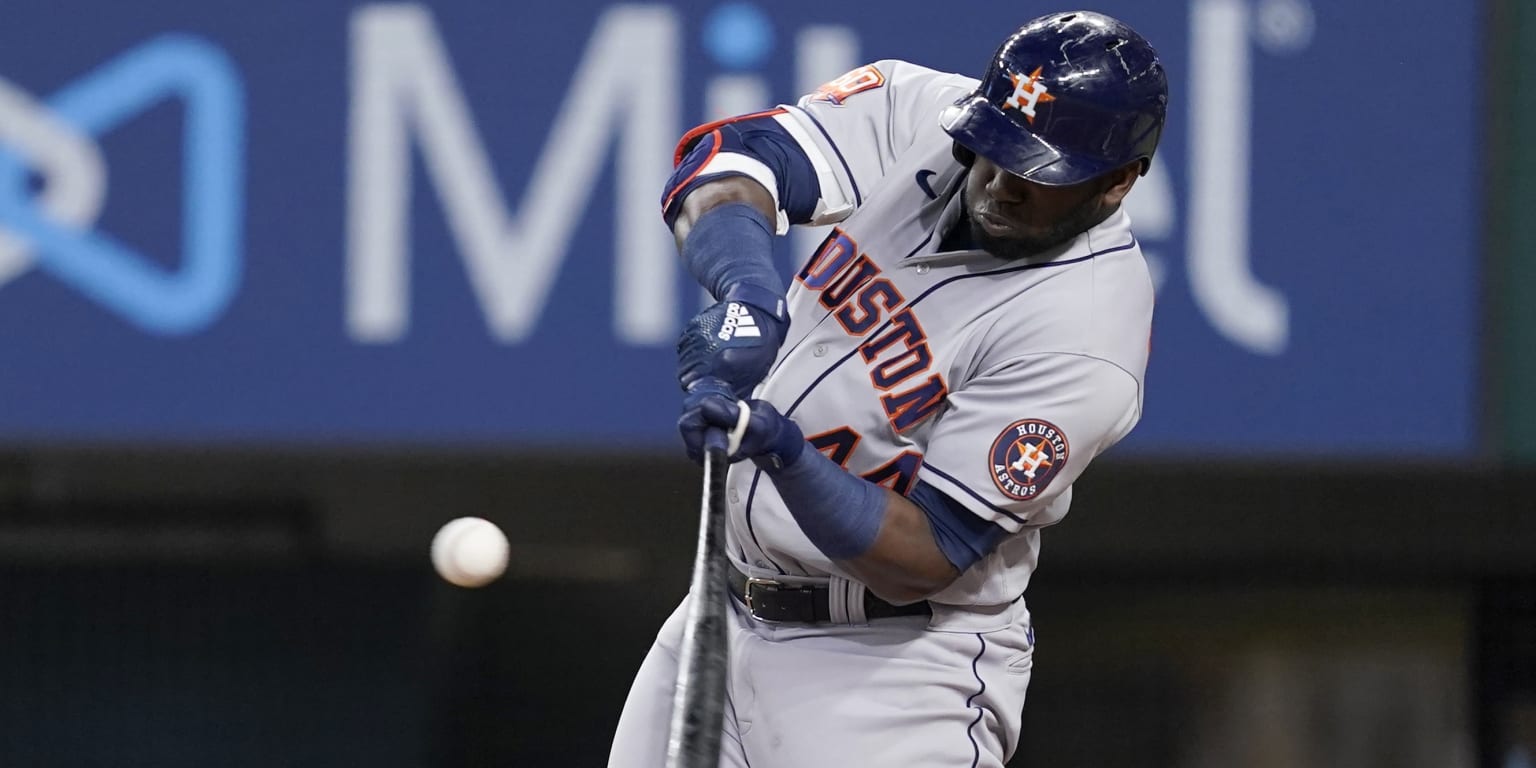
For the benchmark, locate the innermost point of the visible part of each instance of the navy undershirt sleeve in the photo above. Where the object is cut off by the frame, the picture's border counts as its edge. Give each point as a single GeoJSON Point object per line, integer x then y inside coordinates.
{"type": "Point", "coordinates": [963, 537]}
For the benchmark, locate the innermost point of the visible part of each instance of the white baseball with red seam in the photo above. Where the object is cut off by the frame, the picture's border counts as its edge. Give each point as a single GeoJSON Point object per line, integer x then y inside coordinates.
{"type": "Point", "coordinates": [470, 552]}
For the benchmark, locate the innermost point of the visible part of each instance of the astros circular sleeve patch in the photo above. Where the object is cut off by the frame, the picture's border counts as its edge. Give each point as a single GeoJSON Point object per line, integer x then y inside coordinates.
{"type": "Point", "coordinates": [1026, 456]}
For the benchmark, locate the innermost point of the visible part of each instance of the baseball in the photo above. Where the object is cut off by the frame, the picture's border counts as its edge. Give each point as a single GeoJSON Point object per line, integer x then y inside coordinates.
{"type": "Point", "coordinates": [470, 552]}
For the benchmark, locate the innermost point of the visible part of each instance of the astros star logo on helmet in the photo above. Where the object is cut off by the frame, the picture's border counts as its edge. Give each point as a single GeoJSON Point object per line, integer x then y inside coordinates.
{"type": "Point", "coordinates": [1028, 93]}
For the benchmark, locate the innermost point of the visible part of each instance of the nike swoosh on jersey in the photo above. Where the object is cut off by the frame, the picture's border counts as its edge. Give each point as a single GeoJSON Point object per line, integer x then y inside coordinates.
{"type": "Point", "coordinates": [922, 183]}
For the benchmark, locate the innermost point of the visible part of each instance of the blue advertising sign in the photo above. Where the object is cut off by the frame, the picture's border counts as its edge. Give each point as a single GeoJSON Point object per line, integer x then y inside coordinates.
{"type": "Point", "coordinates": [331, 224]}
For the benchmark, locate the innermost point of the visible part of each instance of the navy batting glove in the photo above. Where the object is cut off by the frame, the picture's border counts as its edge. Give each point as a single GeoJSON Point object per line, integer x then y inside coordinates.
{"type": "Point", "coordinates": [771, 440]}
{"type": "Point", "coordinates": [731, 341]}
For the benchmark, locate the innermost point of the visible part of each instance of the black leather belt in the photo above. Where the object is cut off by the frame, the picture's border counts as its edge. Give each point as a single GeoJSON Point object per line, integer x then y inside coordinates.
{"type": "Point", "coordinates": [769, 600]}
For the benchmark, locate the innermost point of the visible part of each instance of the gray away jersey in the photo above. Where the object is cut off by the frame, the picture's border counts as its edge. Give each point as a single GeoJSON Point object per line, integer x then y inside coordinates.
{"type": "Point", "coordinates": [996, 382]}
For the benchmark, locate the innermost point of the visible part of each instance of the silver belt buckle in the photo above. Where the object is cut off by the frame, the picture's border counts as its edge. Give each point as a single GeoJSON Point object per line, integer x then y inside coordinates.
{"type": "Point", "coordinates": [753, 584]}
{"type": "Point", "coordinates": [793, 604]}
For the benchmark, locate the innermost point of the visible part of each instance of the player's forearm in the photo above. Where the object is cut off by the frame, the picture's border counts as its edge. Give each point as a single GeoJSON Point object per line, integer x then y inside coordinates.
{"type": "Point", "coordinates": [877, 535]}
{"type": "Point", "coordinates": [905, 563]}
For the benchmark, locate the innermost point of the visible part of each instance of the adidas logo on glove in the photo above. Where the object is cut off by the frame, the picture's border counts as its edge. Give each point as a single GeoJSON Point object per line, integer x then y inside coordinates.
{"type": "Point", "coordinates": [738, 322]}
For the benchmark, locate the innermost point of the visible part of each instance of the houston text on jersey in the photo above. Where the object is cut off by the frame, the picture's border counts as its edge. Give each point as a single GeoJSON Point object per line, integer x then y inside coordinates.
{"type": "Point", "coordinates": [852, 288]}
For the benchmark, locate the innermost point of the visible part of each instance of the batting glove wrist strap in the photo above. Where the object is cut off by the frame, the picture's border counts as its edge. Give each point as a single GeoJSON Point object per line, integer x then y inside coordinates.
{"type": "Point", "coordinates": [766, 299]}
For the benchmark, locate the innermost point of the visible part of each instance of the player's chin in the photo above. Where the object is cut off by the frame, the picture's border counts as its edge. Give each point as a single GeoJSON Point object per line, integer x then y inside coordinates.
{"type": "Point", "coordinates": [1014, 246]}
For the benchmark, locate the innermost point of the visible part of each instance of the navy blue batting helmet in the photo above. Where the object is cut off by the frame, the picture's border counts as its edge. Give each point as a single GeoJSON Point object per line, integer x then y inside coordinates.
{"type": "Point", "coordinates": [1068, 97]}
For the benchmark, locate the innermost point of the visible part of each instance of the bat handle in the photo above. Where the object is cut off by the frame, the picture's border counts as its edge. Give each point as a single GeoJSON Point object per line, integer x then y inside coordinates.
{"type": "Point", "coordinates": [717, 438]}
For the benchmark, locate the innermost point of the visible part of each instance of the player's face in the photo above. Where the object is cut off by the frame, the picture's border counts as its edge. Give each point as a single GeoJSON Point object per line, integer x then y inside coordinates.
{"type": "Point", "coordinates": [1012, 218]}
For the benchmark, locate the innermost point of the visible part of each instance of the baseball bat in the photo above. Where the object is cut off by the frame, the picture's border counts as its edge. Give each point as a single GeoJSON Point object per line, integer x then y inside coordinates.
{"type": "Point", "coordinates": [698, 703]}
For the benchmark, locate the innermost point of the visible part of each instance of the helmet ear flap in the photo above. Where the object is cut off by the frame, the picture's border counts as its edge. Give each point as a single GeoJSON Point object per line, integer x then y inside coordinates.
{"type": "Point", "coordinates": [963, 156]}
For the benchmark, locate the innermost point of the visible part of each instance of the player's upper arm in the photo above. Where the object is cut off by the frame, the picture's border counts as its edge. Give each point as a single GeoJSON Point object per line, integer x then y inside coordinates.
{"type": "Point", "coordinates": [1012, 441]}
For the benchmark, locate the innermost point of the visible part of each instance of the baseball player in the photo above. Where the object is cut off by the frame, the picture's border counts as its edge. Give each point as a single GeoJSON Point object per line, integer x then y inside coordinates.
{"type": "Point", "coordinates": [970, 335]}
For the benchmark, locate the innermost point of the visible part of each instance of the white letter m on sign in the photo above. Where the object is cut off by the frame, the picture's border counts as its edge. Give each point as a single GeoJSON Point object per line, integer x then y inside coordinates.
{"type": "Point", "coordinates": [404, 88]}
